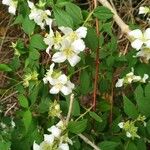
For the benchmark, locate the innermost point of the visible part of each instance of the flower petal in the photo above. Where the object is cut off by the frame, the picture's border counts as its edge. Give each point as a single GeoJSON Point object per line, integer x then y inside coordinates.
{"type": "Point", "coordinates": [59, 57]}
{"type": "Point", "coordinates": [136, 33]}
{"type": "Point", "coordinates": [119, 83]}
{"type": "Point", "coordinates": [73, 60]}
{"type": "Point", "coordinates": [49, 138]}
{"type": "Point", "coordinates": [65, 30]}
{"type": "Point", "coordinates": [54, 90]}
{"type": "Point", "coordinates": [36, 146]}
{"type": "Point", "coordinates": [137, 44]}
{"type": "Point", "coordinates": [63, 146]}
{"type": "Point", "coordinates": [66, 90]}
{"type": "Point", "coordinates": [62, 79]}
{"type": "Point", "coordinates": [81, 32]}
{"type": "Point", "coordinates": [147, 34]}
{"type": "Point", "coordinates": [78, 46]}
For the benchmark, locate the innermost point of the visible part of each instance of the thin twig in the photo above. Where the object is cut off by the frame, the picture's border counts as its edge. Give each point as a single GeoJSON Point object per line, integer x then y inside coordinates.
{"type": "Point", "coordinates": [70, 108]}
{"type": "Point", "coordinates": [10, 108]}
{"type": "Point", "coordinates": [97, 62]}
{"type": "Point", "coordinates": [123, 26]}
{"type": "Point", "coordinates": [86, 140]}
{"type": "Point", "coordinates": [12, 94]}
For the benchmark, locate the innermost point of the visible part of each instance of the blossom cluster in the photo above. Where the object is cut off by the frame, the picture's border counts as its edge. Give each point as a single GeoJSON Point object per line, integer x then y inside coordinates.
{"type": "Point", "coordinates": [58, 139]}
{"type": "Point", "coordinates": [41, 17]}
{"type": "Point", "coordinates": [141, 42]}
{"type": "Point", "coordinates": [130, 78]}
{"type": "Point", "coordinates": [130, 128]}
{"type": "Point", "coordinates": [59, 82]}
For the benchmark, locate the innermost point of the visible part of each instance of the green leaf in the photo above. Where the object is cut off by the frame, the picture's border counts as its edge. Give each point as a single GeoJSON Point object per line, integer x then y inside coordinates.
{"type": "Point", "coordinates": [62, 18]}
{"type": "Point", "coordinates": [23, 101]}
{"type": "Point", "coordinates": [76, 108]}
{"type": "Point", "coordinates": [108, 145]}
{"type": "Point", "coordinates": [37, 42]}
{"type": "Point", "coordinates": [27, 119]}
{"type": "Point", "coordinates": [131, 146]}
{"type": "Point", "coordinates": [5, 68]}
{"type": "Point", "coordinates": [103, 13]}
{"type": "Point", "coordinates": [5, 145]}
{"type": "Point", "coordinates": [77, 126]}
{"type": "Point", "coordinates": [75, 12]}
{"type": "Point", "coordinates": [85, 81]}
{"type": "Point", "coordinates": [129, 108]}
{"type": "Point", "coordinates": [147, 90]}
{"type": "Point", "coordinates": [142, 101]}
{"type": "Point", "coordinates": [91, 39]}
{"type": "Point", "coordinates": [28, 25]}
{"type": "Point", "coordinates": [95, 116]}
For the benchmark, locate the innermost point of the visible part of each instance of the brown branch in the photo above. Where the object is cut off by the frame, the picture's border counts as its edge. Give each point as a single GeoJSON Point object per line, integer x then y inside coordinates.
{"type": "Point", "coordinates": [97, 62]}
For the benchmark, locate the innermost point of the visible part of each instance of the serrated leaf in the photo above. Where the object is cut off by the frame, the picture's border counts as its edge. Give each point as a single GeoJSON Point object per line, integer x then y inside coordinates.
{"type": "Point", "coordinates": [103, 13]}
{"type": "Point", "coordinates": [95, 116]}
{"type": "Point", "coordinates": [62, 18]}
{"type": "Point", "coordinates": [28, 25]}
{"type": "Point", "coordinates": [77, 126]}
{"type": "Point", "coordinates": [76, 108]}
{"type": "Point", "coordinates": [91, 39]}
{"type": "Point", "coordinates": [23, 101]}
{"type": "Point", "coordinates": [5, 68]}
{"type": "Point", "coordinates": [75, 12]}
{"type": "Point", "coordinates": [37, 42]}
{"type": "Point", "coordinates": [129, 108]}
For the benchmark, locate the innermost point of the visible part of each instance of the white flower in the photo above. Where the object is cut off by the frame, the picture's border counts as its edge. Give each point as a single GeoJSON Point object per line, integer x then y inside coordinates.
{"type": "Point", "coordinates": [145, 77]}
{"type": "Point", "coordinates": [144, 10]}
{"type": "Point", "coordinates": [74, 35]}
{"type": "Point", "coordinates": [12, 5]}
{"type": "Point", "coordinates": [61, 84]}
{"type": "Point", "coordinates": [121, 124]}
{"type": "Point", "coordinates": [128, 134]}
{"type": "Point", "coordinates": [53, 40]}
{"type": "Point", "coordinates": [55, 131]}
{"type": "Point", "coordinates": [69, 51]}
{"type": "Point", "coordinates": [140, 38]}
{"type": "Point", "coordinates": [40, 17]}
{"type": "Point", "coordinates": [63, 146]}
{"type": "Point", "coordinates": [119, 83]}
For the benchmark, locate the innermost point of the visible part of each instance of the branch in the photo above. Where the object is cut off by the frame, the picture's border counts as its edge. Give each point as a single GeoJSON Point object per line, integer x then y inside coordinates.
{"type": "Point", "coordinates": [86, 140]}
{"type": "Point", "coordinates": [70, 108]}
{"type": "Point", "coordinates": [123, 26]}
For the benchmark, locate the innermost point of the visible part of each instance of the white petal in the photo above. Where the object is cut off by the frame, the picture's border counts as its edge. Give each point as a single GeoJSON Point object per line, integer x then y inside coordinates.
{"type": "Point", "coordinates": [136, 33]}
{"type": "Point", "coordinates": [78, 46]}
{"type": "Point", "coordinates": [147, 43]}
{"type": "Point", "coordinates": [36, 146]}
{"type": "Point", "coordinates": [49, 138]}
{"type": "Point", "coordinates": [63, 146]}
{"type": "Point", "coordinates": [119, 83]}
{"type": "Point", "coordinates": [55, 131]}
{"type": "Point", "coordinates": [54, 90]}
{"type": "Point", "coordinates": [147, 34]}
{"type": "Point", "coordinates": [146, 76]}
{"type": "Point", "coordinates": [60, 124]}
{"type": "Point", "coordinates": [12, 10]}
{"type": "Point", "coordinates": [128, 135]}
{"type": "Point", "coordinates": [121, 124]}
{"type": "Point", "coordinates": [136, 78]}
{"type": "Point", "coordinates": [137, 44]}
{"type": "Point", "coordinates": [48, 49]}
{"type": "Point", "coordinates": [66, 90]}
{"type": "Point", "coordinates": [47, 12]}
{"type": "Point", "coordinates": [58, 57]}
{"type": "Point", "coordinates": [73, 60]}
{"type": "Point", "coordinates": [65, 30]}
{"type": "Point", "coordinates": [82, 31]}
{"type": "Point", "coordinates": [62, 79]}
{"type": "Point", "coordinates": [71, 85]}
{"type": "Point", "coordinates": [6, 2]}
{"type": "Point", "coordinates": [30, 4]}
